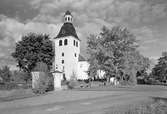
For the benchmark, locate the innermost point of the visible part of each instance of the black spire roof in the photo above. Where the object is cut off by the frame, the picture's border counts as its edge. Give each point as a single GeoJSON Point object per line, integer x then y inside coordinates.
{"type": "Point", "coordinates": [67, 30]}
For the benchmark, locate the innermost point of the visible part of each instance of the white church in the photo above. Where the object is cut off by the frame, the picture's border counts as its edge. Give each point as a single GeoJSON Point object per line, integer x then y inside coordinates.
{"type": "Point", "coordinates": [68, 62]}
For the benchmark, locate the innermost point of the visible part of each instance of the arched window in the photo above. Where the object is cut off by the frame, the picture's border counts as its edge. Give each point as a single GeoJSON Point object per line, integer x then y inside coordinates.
{"type": "Point", "coordinates": [62, 61]}
{"type": "Point", "coordinates": [68, 18]}
{"type": "Point", "coordinates": [62, 54]}
{"type": "Point", "coordinates": [77, 44]}
{"type": "Point", "coordinates": [65, 42]}
{"type": "Point", "coordinates": [60, 42]}
{"type": "Point", "coordinates": [65, 18]}
{"type": "Point", "coordinates": [74, 43]}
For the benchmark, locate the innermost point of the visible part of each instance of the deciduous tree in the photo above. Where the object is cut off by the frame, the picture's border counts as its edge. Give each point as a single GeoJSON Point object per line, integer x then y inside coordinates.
{"type": "Point", "coordinates": [115, 52]}
{"type": "Point", "coordinates": [33, 48]}
{"type": "Point", "coordinates": [159, 72]}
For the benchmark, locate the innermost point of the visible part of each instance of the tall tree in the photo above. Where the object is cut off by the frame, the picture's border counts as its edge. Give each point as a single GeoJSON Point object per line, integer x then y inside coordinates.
{"type": "Point", "coordinates": [159, 72]}
{"type": "Point", "coordinates": [5, 74]}
{"type": "Point", "coordinates": [114, 51]}
{"type": "Point", "coordinates": [33, 48]}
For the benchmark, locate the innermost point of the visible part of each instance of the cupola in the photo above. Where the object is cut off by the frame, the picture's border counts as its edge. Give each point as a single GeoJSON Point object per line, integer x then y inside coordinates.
{"type": "Point", "coordinates": [68, 17]}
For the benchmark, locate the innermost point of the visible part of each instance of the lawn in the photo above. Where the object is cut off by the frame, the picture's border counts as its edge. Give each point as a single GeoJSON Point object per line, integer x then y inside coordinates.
{"type": "Point", "coordinates": [9, 95]}
{"type": "Point", "coordinates": [154, 106]}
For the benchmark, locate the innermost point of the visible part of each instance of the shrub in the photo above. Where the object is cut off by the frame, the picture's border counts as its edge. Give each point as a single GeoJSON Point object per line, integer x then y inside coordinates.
{"type": "Point", "coordinates": [73, 81]}
{"type": "Point", "coordinates": [8, 86]}
{"type": "Point", "coordinates": [152, 81]}
{"type": "Point", "coordinates": [5, 74]}
{"type": "Point", "coordinates": [71, 84]}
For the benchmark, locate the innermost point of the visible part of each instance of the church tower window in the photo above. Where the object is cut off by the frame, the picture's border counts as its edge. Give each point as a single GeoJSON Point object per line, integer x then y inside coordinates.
{"type": "Point", "coordinates": [60, 42]}
{"type": "Point", "coordinates": [77, 44]}
{"type": "Point", "coordinates": [65, 42]}
{"type": "Point", "coordinates": [63, 54]}
{"type": "Point", "coordinates": [62, 61]}
{"type": "Point", "coordinates": [74, 43]}
{"type": "Point", "coordinates": [65, 18]}
{"type": "Point", "coordinates": [68, 17]}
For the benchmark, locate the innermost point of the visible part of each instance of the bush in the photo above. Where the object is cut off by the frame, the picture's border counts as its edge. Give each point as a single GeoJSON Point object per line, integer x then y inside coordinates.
{"type": "Point", "coordinates": [71, 84]}
{"type": "Point", "coordinates": [5, 74]}
{"type": "Point", "coordinates": [73, 81]}
{"type": "Point", "coordinates": [21, 77]}
{"type": "Point", "coordinates": [152, 81]}
{"type": "Point", "coordinates": [41, 89]}
{"type": "Point", "coordinates": [8, 86]}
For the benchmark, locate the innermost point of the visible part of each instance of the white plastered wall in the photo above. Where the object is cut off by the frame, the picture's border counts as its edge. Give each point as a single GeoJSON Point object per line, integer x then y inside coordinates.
{"type": "Point", "coordinates": [70, 61]}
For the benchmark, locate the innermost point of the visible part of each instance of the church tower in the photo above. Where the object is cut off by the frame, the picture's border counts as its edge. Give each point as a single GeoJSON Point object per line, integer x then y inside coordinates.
{"type": "Point", "coordinates": [67, 48]}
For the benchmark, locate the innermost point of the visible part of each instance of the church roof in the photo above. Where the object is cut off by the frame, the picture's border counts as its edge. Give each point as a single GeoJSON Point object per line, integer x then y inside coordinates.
{"type": "Point", "coordinates": [68, 12]}
{"type": "Point", "coordinates": [67, 30]}
{"type": "Point", "coordinates": [81, 58]}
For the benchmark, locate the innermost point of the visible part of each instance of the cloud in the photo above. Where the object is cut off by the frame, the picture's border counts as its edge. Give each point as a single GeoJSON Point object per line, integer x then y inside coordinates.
{"type": "Point", "coordinates": [21, 9]}
{"type": "Point", "coordinates": [146, 38]}
{"type": "Point", "coordinates": [145, 35]}
{"type": "Point", "coordinates": [11, 31]}
{"type": "Point", "coordinates": [112, 11]}
{"type": "Point", "coordinates": [46, 16]}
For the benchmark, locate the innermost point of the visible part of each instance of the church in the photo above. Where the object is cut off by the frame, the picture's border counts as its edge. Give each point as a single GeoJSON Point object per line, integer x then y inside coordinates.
{"type": "Point", "coordinates": [67, 61]}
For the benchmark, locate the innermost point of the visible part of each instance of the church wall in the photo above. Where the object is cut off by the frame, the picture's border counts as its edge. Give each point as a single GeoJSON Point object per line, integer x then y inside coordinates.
{"type": "Point", "coordinates": [83, 67]}
{"type": "Point", "coordinates": [70, 61]}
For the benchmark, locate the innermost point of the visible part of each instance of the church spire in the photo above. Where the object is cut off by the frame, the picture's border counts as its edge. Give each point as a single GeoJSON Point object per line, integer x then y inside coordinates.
{"type": "Point", "coordinates": [68, 17]}
{"type": "Point", "coordinates": [67, 29]}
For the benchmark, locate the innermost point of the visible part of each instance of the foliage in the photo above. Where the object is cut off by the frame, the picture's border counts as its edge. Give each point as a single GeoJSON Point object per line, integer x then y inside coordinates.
{"type": "Point", "coordinates": [20, 76]}
{"type": "Point", "coordinates": [31, 49]}
{"type": "Point", "coordinates": [41, 67]}
{"type": "Point", "coordinates": [115, 52]}
{"type": "Point", "coordinates": [159, 72]}
{"type": "Point", "coordinates": [8, 86]}
{"type": "Point", "coordinates": [5, 74]}
{"type": "Point", "coordinates": [73, 81]}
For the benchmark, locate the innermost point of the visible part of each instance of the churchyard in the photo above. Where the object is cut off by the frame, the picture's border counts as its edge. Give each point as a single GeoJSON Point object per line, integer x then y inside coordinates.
{"type": "Point", "coordinates": [53, 76]}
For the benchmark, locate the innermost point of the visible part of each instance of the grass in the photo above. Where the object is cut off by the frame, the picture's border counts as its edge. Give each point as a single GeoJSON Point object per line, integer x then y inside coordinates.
{"type": "Point", "coordinates": [155, 106]}
{"type": "Point", "coordinates": [16, 94]}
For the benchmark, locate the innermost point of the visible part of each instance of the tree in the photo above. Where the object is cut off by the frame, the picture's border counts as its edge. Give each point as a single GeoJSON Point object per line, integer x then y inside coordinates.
{"type": "Point", "coordinates": [33, 48]}
{"type": "Point", "coordinates": [159, 72]}
{"type": "Point", "coordinates": [115, 52]}
{"type": "Point", "coordinates": [20, 76]}
{"type": "Point", "coordinates": [5, 74]}
{"type": "Point", "coordinates": [136, 63]}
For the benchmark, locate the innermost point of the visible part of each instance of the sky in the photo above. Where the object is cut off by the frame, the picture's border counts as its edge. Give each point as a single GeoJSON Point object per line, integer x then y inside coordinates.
{"type": "Point", "coordinates": [146, 19]}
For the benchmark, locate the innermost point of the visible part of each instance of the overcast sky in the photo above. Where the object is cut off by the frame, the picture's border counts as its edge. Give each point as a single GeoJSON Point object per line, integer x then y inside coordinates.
{"type": "Point", "coordinates": [147, 19]}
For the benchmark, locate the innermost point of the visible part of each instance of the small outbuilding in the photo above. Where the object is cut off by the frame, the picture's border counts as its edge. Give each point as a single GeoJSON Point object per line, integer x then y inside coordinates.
{"type": "Point", "coordinates": [39, 73]}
